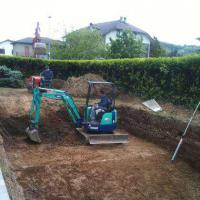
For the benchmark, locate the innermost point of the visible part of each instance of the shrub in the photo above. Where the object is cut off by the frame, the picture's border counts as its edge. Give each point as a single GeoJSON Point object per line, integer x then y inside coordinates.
{"type": "Point", "coordinates": [176, 80]}
{"type": "Point", "coordinates": [9, 78]}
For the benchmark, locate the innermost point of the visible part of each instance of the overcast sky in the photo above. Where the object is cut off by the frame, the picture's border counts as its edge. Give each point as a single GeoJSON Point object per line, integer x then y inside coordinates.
{"type": "Point", "coordinates": [174, 21]}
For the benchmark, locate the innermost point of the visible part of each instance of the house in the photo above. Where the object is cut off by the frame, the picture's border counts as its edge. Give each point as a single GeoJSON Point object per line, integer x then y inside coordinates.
{"type": "Point", "coordinates": [110, 29]}
{"type": "Point", "coordinates": [6, 47]}
{"type": "Point", "coordinates": [24, 47]}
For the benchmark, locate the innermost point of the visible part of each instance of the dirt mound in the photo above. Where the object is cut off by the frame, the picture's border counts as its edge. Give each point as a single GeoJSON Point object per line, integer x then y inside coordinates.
{"type": "Point", "coordinates": [78, 86]}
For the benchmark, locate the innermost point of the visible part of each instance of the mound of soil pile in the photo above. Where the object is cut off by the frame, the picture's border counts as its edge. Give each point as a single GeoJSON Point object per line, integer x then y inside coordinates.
{"type": "Point", "coordinates": [78, 86]}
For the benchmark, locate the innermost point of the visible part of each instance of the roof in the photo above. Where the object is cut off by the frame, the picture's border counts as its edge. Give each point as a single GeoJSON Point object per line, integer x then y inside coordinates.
{"type": "Point", "coordinates": [107, 27]}
{"type": "Point", "coordinates": [6, 41]}
{"type": "Point", "coordinates": [29, 40]}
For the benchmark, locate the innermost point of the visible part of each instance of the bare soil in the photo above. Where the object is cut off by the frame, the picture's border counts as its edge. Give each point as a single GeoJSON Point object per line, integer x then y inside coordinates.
{"type": "Point", "coordinates": [63, 167]}
{"type": "Point", "coordinates": [78, 86]}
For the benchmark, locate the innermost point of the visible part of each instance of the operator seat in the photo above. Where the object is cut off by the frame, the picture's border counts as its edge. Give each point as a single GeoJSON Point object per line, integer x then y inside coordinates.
{"type": "Point", "coordinates": [100, 112]}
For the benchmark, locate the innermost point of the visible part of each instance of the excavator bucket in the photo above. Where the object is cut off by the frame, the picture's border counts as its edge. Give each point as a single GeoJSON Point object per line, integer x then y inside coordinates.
{"type": "Point", "coordinates": [113, 138]}
{"type": "Point", "coordinates": [33, 135]}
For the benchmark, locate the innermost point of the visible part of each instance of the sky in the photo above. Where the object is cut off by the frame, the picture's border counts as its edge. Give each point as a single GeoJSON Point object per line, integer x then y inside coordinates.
{"type": "Point", "coordinates": [172, 21]}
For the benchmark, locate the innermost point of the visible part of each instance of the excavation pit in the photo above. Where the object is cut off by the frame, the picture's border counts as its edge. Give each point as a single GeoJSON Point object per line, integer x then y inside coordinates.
{"type": "Point", "coordinates": [63, 167]}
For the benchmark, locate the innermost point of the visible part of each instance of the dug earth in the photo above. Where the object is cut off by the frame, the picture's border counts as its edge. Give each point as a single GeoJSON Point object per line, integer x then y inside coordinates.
{"type": "Point", "coordinates": [64, 168]}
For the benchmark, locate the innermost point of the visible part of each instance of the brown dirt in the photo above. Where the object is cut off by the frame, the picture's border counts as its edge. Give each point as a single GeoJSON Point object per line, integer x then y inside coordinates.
{"type": "Point", "coordinates": [78, 86]}
{"type": "Point", "coordinates": [164, 131]}
{"type": "Point", "coordinates": [62, 167]}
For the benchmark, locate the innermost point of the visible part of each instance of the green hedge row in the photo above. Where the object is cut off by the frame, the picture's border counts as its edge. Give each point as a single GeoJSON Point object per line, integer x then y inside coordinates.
{"type": "Point", "coordinates": [176, 80]}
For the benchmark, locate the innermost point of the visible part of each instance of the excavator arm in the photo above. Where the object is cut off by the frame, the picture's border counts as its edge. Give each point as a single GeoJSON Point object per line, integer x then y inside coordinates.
{"type": "Point", "coordinates": [34, 114]}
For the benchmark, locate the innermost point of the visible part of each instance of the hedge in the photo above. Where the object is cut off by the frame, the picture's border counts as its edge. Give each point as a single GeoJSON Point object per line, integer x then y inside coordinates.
{"type": "Point", "coordinates": [175, 80]}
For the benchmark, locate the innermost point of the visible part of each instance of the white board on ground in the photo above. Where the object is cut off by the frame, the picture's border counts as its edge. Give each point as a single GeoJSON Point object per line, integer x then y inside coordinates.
{"type": "Point", "coordinates": [153, 105]}
{"type": "Point", "coordinates": [3, 190]}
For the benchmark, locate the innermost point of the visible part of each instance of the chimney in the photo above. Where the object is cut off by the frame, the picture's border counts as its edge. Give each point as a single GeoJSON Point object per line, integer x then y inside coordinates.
{"type": "Point", "coordinates": [124, 19]}
{"type": "Point", "coordinates": [121, 19]}
{"type": "Point", "coordinates": [91, 26]}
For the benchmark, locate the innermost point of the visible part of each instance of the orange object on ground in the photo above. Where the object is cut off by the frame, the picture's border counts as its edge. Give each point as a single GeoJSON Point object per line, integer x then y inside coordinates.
{"type": "Point", "coordinates": [33, 81]}
{"type": "Point", "coordinates": [36, 80]}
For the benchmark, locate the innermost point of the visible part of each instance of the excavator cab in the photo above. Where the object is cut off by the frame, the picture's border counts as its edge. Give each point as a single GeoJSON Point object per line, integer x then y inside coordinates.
{"type": "Point", "coordinates": [103, 130]}
{"type": "Point", "coordinates": [106, 119]}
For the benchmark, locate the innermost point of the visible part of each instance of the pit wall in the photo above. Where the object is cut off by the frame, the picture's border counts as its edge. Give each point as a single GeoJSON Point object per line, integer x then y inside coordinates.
{"type": "Point", "coordinates": [14, 189]}
{"type": "Point", "coordinates": [163, 131]}
{"type": "Point", "coordinates": [175, 80]}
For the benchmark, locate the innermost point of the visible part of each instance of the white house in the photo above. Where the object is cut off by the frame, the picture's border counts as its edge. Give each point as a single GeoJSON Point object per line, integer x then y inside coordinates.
{"type": "Point", "coordinates": [6, 47]}
{"type": "Point", "coordinates": [110, 29]}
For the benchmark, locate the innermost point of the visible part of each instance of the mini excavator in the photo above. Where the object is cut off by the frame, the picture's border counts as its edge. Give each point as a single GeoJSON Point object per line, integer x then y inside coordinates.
{"type": "Point", "coordinates": [102, 131]}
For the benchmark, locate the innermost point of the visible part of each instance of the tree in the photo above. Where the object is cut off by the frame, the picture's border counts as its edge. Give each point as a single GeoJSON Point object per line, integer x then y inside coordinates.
{"type": "Point", "coordinates": [126, 45]}
{"type": "Point", "coordinates": [156, 50]}
{"type": "Point", "coordinates": [81, 44]}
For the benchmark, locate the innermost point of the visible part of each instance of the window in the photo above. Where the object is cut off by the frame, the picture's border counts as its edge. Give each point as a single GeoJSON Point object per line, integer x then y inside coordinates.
{"type": "Point", "coordinates": [2, 51]}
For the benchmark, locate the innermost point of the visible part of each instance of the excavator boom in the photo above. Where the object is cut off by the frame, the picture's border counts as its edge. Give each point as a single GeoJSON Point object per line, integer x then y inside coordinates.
{"type": "Point", "coordinates": [34, 114]}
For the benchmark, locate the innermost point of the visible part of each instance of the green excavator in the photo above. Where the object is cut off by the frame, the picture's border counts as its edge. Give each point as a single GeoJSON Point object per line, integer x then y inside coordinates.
{"type": "Point", "coordinates": [100, 131]}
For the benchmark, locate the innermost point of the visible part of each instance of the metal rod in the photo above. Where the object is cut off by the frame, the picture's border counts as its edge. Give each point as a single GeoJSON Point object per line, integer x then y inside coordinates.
{"type": "Point", "coordinates": [181, 140]}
